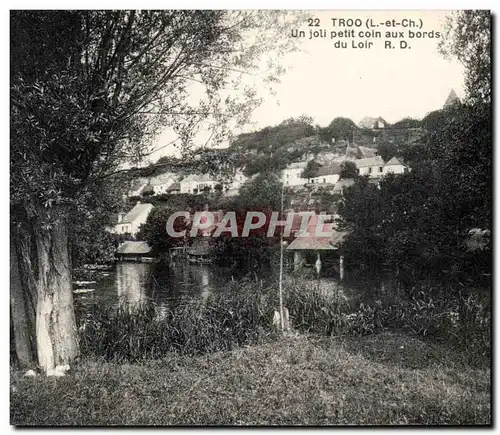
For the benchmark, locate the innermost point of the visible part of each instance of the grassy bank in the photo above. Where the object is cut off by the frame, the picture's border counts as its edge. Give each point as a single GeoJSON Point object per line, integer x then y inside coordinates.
{"type": "Point", "coordinates": [243, 315]}
{"type": "Point", "coordinates": [382, 378]}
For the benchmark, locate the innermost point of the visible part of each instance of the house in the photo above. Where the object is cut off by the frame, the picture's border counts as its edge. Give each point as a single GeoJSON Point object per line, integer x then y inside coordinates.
{"type": "Point", "coordinates": [174, 188]}
{"type": "Point", "coordinates": [162, 182]}
{"type": "Point", "coordinates": [309, 249]}
{"type": "Point", "coordinates": [196, 183]}
{"type": "Point", "coordinates": [372, 166]}
{"type": "Point", "coordinates": [130, 223]}
{"type": "Point", "coordinates": [326, 175]}
{"type": "Point", "coordinates": [394, 166]}
{"type": "Point", "coordinates": [373, 123]}
{"type": "Point", "coordinates": [292, 174]}
{"type": "Point", "coordinates": [136, 187]}
{"type": "Point", "coordinates": [148, 190]}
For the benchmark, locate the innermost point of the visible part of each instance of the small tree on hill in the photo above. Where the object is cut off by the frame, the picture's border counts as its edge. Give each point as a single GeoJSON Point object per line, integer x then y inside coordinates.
{"type": "Point", "coordinates": [310, 169]}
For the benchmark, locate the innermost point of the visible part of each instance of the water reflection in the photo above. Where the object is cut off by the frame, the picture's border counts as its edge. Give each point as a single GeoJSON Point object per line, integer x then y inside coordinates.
{"type": "Point", "coordinates": [181, 281]}
{"type": "Point", "coordinates": [166, 284]}
{"type": "Point", "coordinates": [132, 281]}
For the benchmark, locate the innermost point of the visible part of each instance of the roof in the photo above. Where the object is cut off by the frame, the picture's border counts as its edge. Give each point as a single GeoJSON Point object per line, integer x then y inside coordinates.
{"type": "Point", "coordinates": [328, 170]}
{"type": "Point", "coordinates": [147, 188]}
{"type": "Point", "coordinates": [369, 122]}
{"type": "Point", "coordinates": [198, 178]}
{"type": "Point", "coordinates": [318, 243]}
{"type": "Point", "coordinates": [175, 186]}
{"type": "Point", "coordinates": [296, 165]}
{"type": "Point", "coordinates": [393, 162]}
{"type": "Point", "coordinates": [133, 214]}
{"type": "Point", "coordinates": [370, 161]}
{"type": "Point", "coordinates": [452, 99]}
{"type": "Point", "coordinates": [131, 247]}
{"type": "Point", "coordinates": [313, 243]}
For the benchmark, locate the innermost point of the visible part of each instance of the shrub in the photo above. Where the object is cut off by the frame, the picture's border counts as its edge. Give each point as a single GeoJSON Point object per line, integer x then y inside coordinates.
{"type": "Point", "coordinates": [316, 311]}
{"type": "Point", "coordinates": [243, 315]}
{"type": "Point", "coordinates": [147, 331]}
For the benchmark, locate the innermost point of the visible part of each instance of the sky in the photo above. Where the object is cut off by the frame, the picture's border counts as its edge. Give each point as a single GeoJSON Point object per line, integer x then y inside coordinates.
{"type": "Point", "coordinates": [325, 82]}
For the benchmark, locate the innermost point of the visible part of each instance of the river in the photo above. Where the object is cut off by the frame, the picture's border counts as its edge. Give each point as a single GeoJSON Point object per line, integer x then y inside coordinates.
{"type": "Point", "coordinates": [166, 285]}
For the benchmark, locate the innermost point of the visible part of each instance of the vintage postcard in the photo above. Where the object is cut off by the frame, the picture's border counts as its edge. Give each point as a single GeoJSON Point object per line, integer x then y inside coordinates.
{"type": "Point", "coordinates": [250, 217]}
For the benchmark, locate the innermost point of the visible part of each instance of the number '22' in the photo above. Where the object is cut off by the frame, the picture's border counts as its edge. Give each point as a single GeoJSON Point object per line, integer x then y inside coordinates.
{"type": "Point", "coordinates": [313, 22]}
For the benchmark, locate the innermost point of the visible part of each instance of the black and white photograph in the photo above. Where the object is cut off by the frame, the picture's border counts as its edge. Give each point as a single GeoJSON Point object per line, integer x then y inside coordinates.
{"type": "Point", "coordinates": [250, 217]}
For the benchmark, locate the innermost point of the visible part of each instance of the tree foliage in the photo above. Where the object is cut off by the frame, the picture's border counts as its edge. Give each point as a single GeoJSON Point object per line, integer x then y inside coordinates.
{"type": "Point", "coordinates": [468, 38]}
{"type": "Point", "coordinates": [407, 123]}
{"type": "Point", "coordinates": [262, 192]}
{"type": "Point", "coordinates": [89, 91]}
{"type": "Point", "coordinates": [422, 223]}
{"type": "Point", "coordinates": [339, 128]}
{"type": "Point", "coordinates": [310, 169]}
{"type": "Point", "coordinates": [348, 170]}
{"type": "Point", "coordinates": [154, 231]}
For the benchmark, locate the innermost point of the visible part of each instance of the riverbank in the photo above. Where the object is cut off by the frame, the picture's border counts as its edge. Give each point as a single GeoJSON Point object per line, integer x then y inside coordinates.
{"type": "Point", "coordinates": [381, 379]}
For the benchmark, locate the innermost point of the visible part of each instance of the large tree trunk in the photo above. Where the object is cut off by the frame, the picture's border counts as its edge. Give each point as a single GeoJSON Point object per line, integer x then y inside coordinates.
{"type": "Point", "coordinates": [22, 327]}
{"type": "Point", "coordinates": [56, 334]}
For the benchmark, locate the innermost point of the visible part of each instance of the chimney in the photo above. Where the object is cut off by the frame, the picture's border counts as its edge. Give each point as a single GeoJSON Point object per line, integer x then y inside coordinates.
{"type": "Point", "coordinates": [120, 217]}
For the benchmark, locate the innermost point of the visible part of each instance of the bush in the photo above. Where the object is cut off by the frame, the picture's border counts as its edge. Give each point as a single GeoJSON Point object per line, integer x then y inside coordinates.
{"type": "Point", "coordinates": [243, 315]}
{"type": "Point", "coordinates": [133, 333]}
{"type": "Point", "coordinates": [314, 311]}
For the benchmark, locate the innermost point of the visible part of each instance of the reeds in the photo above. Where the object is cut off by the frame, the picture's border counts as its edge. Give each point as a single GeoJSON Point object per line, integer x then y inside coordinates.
{"type": "Point", "coordinates": [243, 313]}
{"type": "Point", "coordinates": [132, 333]}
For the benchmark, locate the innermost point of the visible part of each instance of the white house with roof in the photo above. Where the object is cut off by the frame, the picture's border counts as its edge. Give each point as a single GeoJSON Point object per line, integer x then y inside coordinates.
{"type": "Point", "coordinates": [174, 188]}
{"type": "Point", "coordinates": [131, 222]}
{"type": "Point", "coordinates": [196, 183]}
{"type": "Point", "coordinates": [292, 174]}
{"type": "Point", "coordinates": [162, 182]}
{"type": "Point", "coordinates": [394, 166]}
{"type": "Point", "coordinates": [329, 174]}
{"type": "Point", "coordinates": [136, 187]}
{"type": "Point", "coordinates": [371, 166]}
{"type": "Point", "coordinates": [373, 123]}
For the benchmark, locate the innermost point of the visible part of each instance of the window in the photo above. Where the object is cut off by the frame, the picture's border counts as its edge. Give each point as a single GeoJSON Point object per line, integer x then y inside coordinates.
{"type": "Point", "coordinates": [369, 170]}
{"type": "Point", "coordinates": [324, 180]}
{"type": "Point", "coordinates": [380, 169]}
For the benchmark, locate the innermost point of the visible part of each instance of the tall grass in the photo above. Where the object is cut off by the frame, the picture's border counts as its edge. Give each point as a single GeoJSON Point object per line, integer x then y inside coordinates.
{"type": "Point", "coordinates": [147, 331]}
{"type": "Point", "coordinates": [243, 315]}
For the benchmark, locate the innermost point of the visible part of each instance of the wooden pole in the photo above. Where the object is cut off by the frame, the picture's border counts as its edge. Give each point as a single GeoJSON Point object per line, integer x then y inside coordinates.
{"type": "Point", "coordinates": [341, 267]}
{"type": "Point", "coordinates": [282, 320]}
